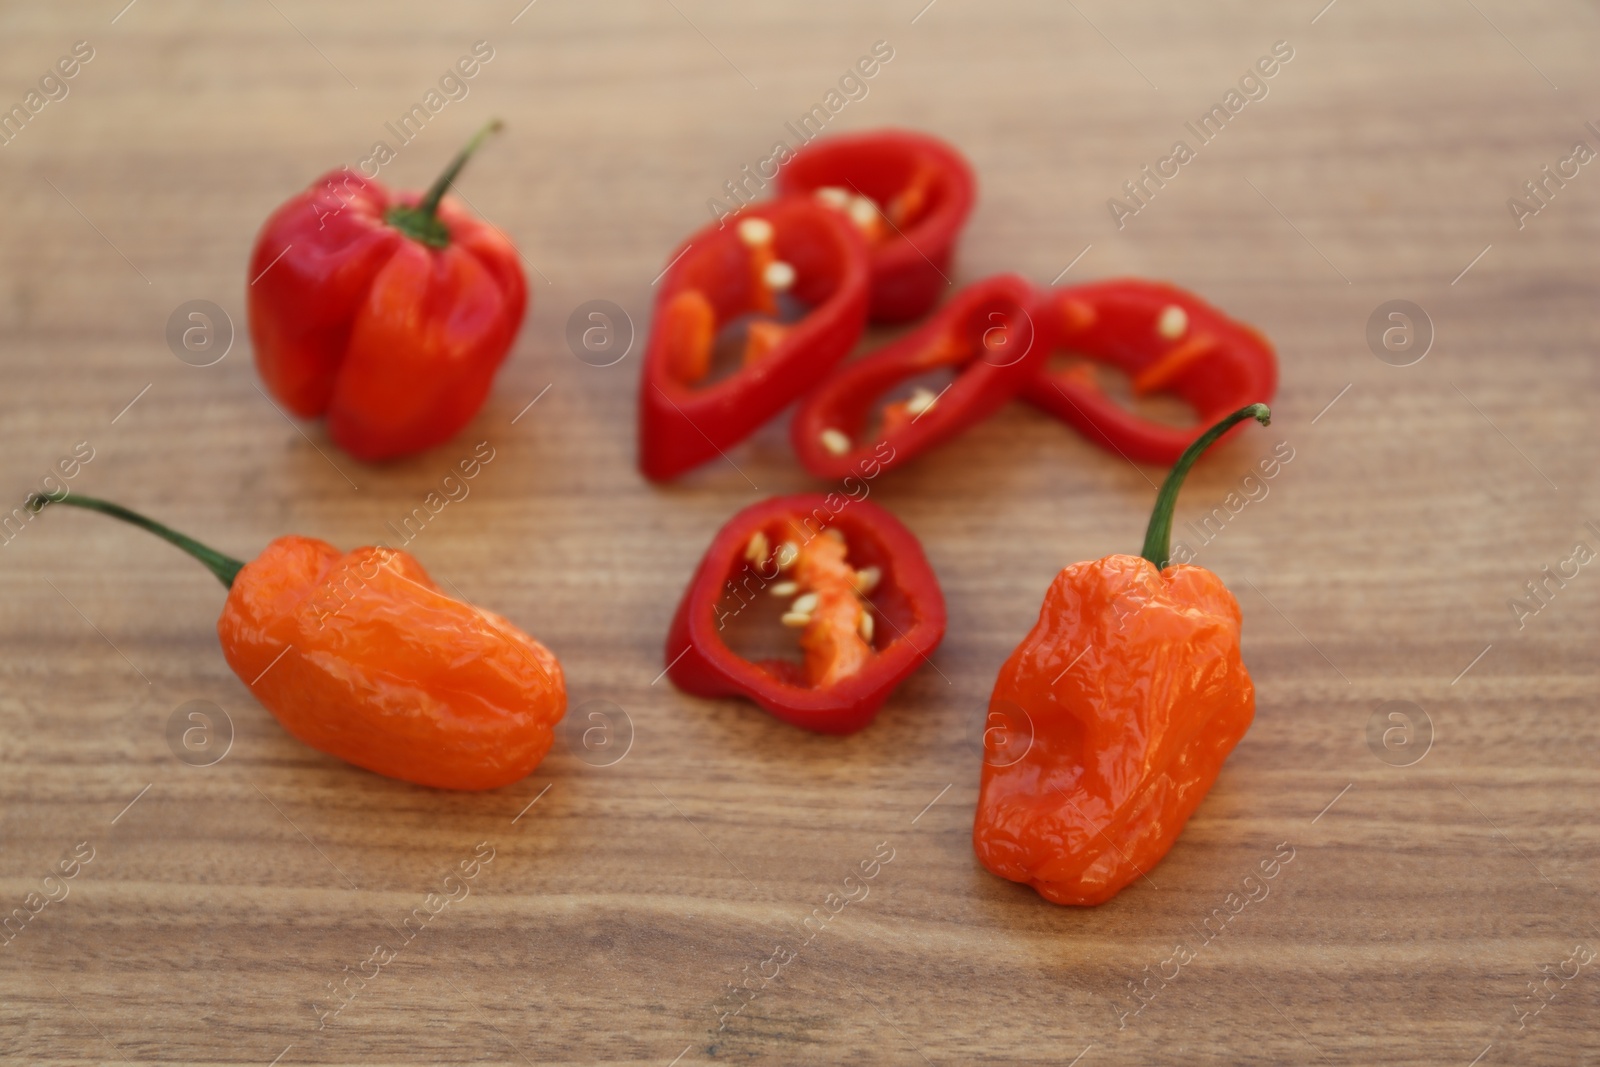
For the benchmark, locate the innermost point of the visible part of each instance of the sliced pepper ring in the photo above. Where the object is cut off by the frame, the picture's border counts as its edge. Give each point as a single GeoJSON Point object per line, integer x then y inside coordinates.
{"type": "Point", "coordinates": [720, 274]}
{"type": "Point", "coordinates": [1166, 340]}
{"type": "Point", "coordinates": [766, 544]}
{"type": "Point", "coordinates": [918, 192]}
{"type": "Point", "coordinates": [986, 332]}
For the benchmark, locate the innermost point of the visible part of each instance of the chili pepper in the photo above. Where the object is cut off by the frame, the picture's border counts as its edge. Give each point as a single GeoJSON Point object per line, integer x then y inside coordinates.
{"type": "Point", "coordinates": [865, 599]}
{"type": "Point", "coordinates": [781, 255]}
{"type": "Point", "coordinates": [1166, 340]}
{"type": "Point", "coordinates": [361, 656]}
{"type": "Point", "coordinates": [985, 333]}
{"type": "Point", "coordinates": [387, 313]}
{"type": "Point", "coordinates": [1132, 691]}
{"type": "Point", "coordinates": [908, 192]}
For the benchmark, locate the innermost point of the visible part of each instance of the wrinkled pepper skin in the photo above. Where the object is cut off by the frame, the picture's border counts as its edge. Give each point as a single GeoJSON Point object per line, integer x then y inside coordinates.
{"type": "Point", "coordinates": [395, 341]}
{"type": "Point", "coordinates": [1125, 743]}
{"type": "Point", "coordinates": [385, 671]}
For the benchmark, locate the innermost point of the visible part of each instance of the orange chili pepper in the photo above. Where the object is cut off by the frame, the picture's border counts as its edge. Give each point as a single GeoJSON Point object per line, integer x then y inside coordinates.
{"type": "Point", "coordinates": [361, 656]}
{"type": "Point", "coordinates": [1129, 694]}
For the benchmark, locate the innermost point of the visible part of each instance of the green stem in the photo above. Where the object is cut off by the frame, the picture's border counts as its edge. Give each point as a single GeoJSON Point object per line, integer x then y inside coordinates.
{"type": "Point", "coordinates": [226, 568]}
{"type": "Point", "coordinates": [1158, 537]}
{"type": "Point", "coordinates": [421, 223]}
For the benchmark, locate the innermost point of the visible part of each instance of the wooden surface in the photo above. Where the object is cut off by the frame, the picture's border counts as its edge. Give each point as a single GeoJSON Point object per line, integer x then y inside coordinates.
{"type": "Point", "coordinates": [1421, 901]}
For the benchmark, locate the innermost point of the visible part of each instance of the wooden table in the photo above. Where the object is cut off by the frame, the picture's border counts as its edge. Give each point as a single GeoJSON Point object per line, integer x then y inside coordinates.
{"type": "Point", "coordinates": [625, 898]}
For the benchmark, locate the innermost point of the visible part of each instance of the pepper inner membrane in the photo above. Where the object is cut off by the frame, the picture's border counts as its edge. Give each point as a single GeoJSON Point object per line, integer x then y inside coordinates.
{"type": "Point", "coordinates": [1150, 388]}
{"type": "Point", "coordinates": [784, 582]}
{"type": "Point", "coordinates": [722, 323]}
{"type": "Point", "coordinates": [983, 334]}
{"type": "Point", "coordinates": [888, 196]}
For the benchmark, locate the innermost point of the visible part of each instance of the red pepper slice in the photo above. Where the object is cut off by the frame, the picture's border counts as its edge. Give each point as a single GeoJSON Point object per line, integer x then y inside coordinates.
{"type": "Point", "coordinates": [986, 332]}
{"type": "Point", "coordinates": [1167, 340]}
{"type": "Point", "coordinates": [388, 313]}
{"type": "Point", "coordinates": [844, 560]}
{"type": "Point", "coordinates": [724, 273]}
{"type": "Point", "coordinates": [918, 193]}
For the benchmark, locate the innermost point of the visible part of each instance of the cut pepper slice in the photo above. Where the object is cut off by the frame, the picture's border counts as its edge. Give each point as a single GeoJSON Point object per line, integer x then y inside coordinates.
{"type": "Point", "coordinates": [986, 333]}
{"type": "Point", "coordinates": [909, 193]}
{"type": "Point", "coordinates": [727, 272]}
{"type": "Point", "coordinates": [865, 599]}
{"type": "Point", "coordinates": [1166, 340]}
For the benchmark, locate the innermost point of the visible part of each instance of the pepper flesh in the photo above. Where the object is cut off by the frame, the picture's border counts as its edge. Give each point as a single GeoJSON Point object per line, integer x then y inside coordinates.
{"type": "Point", "coordinates": [361, 656]}
{"type": "Point", "coordinates": [921, 190]}
{"type": "Point", "coordinates": [986, 333]}
{"type": "Point", "coordinates": [717, 277]}
{"type": "Point", "coordinates": [1166, 340]}
{"type": "Point", "coordinates": [395, 339]}
{"type": "Point", "coordinates": [1131, 692]}
{"type": "Point", "coordinates": [847, 675]}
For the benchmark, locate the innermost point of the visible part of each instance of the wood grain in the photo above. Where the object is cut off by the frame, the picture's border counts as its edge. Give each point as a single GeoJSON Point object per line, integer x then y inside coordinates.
{"type": "Point", "coordinates": [1421, 901]}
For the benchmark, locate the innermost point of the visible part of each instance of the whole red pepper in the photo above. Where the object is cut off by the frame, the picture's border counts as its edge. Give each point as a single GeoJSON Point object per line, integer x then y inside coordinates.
{"type": "Point", "coordinates": [1126, 699]}
{"type": "Point", "coordinates": [361, 656]}
{"type": "Point", "coordinates": [387, 313]}
{"type": "Point", "coordinates": [864, 597]}
{"type": "Point", "coordinates": [1166, 340]}
{"type": "Point", "coordinates": [985, 334]}
{"type": "Point", "coordinates": [908, 192]}
{"type": "Point", "coordinates": [741, 285]}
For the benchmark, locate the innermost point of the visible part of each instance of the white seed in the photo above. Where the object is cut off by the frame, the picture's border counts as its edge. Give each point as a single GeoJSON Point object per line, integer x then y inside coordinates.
{"type": "Point", "coordinates": [867, 579]}
{"type": "Point", "coordinates": [795, 619]}
{"type": "Point", "coordinates": [788, 552]}
{"type": "Point", "coordinates": [863, 212]}
{"type": "Point", "coordinates": [756, 551]}
{"type": "Point", "coordinates": [755, 232]}
{"type": "Point", "coordinates": [834, 196]}
{"type": "Point", "coordinates": [805, 605]}
{"type": "Point", "coordinates": [778, 275]}
{"type": "Point", "coordinates": [782, 589]}
{"type": "Point", "coordinates": [865, 627]}
{"type": "Point", "coordinates": [836, 441]}
{"type": "Point", "coordinates": [921, 400]}
{"type": "Point", "coordinates": [834, 533]}
{"type": "Point", "coordinates": [1174, 320]}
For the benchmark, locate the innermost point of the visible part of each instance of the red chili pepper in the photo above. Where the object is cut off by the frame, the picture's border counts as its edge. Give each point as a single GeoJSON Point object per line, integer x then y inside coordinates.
{"type": "Point", "coordinates": [726, 280]}
{"type": "Point", "coordinates": [986, 333]}
{"type": "Point", "coordinates": [388, 315]}
{"type": "Point", "coordinates": [1127, 696]}
{"type": "Point", "coordinates": [1165, 340]}
{"type": "Point", "coordinates": [865, 599]}
{"type": "Point", "coordinates": [909, 193]}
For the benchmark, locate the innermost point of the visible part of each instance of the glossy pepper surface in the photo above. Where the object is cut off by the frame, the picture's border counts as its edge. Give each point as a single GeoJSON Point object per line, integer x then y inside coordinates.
{"type": "Point", "coordinates": [985, 334]}
{"type": "Point", "coordinates": [360, 655]}
{"type": "Point", "coordinates": [864, 597]}
{"type": "Point", "coordinates": [387, 313]}
{"type": "Point", "coordinates": [1121, 706]}
{"type": "Point", "coordinates": [785, 285]}
{"type": "Point", "coordinates": [1166, 340]}
{"type": "Point", "coordinates": [909, 194]}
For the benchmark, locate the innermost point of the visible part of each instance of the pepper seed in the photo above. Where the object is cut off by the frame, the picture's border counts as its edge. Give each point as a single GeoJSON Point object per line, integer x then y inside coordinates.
{"type": "Point", "coordinates": [1174, 320]}
{"type": "Point", "coordinates": [755, 231]}
{"type": "Point", "coordinates": [778, 275]}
